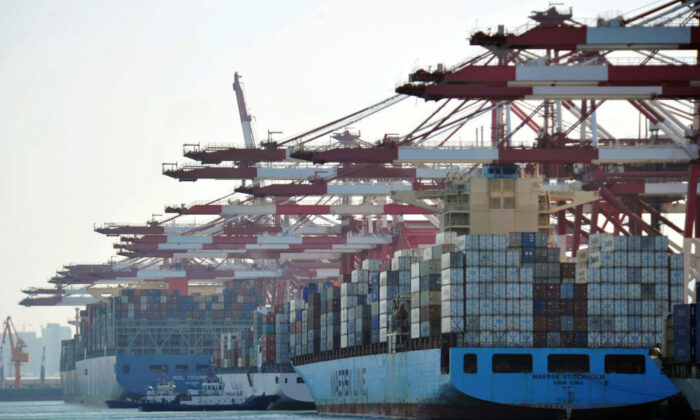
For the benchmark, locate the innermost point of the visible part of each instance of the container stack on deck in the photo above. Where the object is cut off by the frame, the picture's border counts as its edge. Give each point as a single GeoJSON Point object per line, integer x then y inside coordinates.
{"type": "Point", "coordinates": [295, 326]}
{"type": "Point", "coordinates": [330, 317]}
{"type": "Point", "coordinates": [282, 333]}
{"type": "Point", "coordinates": [426, 278]}
{"type": "Point", "coordinates": [514, 291]}
{"type": "Point", "coordinates": [630, 288]}
{"type": "Point", "coordinates": [498, 288]}
{"type": "Point", "coordinates": [685, 337]}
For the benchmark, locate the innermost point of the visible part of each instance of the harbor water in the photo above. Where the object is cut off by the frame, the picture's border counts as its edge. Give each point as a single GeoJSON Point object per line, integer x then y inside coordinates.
{"type": "Point", "coordinates": [59, 410]}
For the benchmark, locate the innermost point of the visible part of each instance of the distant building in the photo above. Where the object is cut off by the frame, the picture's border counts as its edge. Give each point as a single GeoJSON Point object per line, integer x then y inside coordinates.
{"type": "Point", "coordinates": [51, 336]}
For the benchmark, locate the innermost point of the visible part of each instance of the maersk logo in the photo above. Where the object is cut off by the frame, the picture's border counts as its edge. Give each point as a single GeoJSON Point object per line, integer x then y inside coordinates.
{"type": "Point", "coordinates": [349, 383]}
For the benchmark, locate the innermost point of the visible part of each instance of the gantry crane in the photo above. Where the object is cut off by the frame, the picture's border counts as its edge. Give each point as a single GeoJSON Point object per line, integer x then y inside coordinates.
{"type": "Point", "coordinates": [17, 345]}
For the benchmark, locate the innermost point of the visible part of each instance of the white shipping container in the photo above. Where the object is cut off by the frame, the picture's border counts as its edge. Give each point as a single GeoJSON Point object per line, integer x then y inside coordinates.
{"type": "Point", "coordinates": [512, 274]}
{"type": "Point", "coordinates": [415, 315]}
{"type": "Point", "coordinates": [658, 324]}
{"type": "Point", "coordinates": [620, 291]}
{"type": "Point", "coordinates": [607, 291]}
{"type": "Point", "coordinates": [471, 291]}
{"type": "Point", "coordinates": [471, 275]}
{"type": "Point", "coordinates": [486, 338]}
{"type": "Point", "coordinates": [485, 242]}
{"type": "Point", "coordinates": [452, 308]}
{"type": "Point", "coordinates": [485, 306]}
{"type": "Point", "coordinates": [513, 257]}
{"type": "Point", "coordinates": [607, 307]}
{"type": "Point", "coordinates": [595, 240]}
{"type": "Point", "coordinates": [457, 292]}
{"type": "Point", "coordinates": [452, 324]}
{"type": "Point", "coordinates": [415, 284]}
{"type": "Point", "coordinates": [675, 261]}
{"type": "Point", "coordinates": [512, 290]}
{"type": "Point", "coordinates": [634, 291]}
{"type": "Point", "coordinates": [513, 339]}
{"type": "Point", "coordinates": [415, 270]}
{"type": "Point", "coordinates": [500, 338]}
{"type": "Point", "coordinates": [527, 275]}
{"type": "Point", "coordinates": [660, 307]}
{"type": "Point", "coordinates": [526, 306]}
{"type": "Point", "coordinates": [461, 243]}
{"type": "Point", "coordinates": [621, 324]}
{"type": "Point", "coordinates": [486, 323]}
{"type": "Point", "coordinates": [499, 290]}
{"type": "Point", "coordinates": [512, 323]}
{"type": "Point", "coordinates": [513, 306]}
{"type": "Point", "coordinates": [607, 339]}
{"type": "Point", "coordinates": [661, 291]}
{"type": "Point", "coordinates": [526, 290]}
{"type": "Point", "coordinates": [415, 330]}
{"type": "Point", "coordinates": [471, 339]}
{"type": "Point", "coordinates": [471, 258]}
{"type": "Point", "coordinates": [472, 307]}
{"type": "Point", "coordinates": [621, 339]}
{"type": "Point", "coordinates": [526, 323]}
{"type": "Point", "coordinates": [634, 259]}
{"type": "Point", "coordinates": [471, 323]}
{"type": "Point", "coordinates": [499, 307]}
{"type": "Point", "coordinates": [676, 294]}
{"type": "Point", "coordinates": [607, 244]}
{"type": "Point", "coordinates": [452, 276]}
{"type": "Point", "coordinates": [607, 259]}
{"type": "Point", "coordinates": [485, 274]}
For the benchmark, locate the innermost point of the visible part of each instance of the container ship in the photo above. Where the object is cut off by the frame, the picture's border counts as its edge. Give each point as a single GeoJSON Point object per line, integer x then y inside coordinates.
{"type": "Point", "coordinates": [522, 306]}
{"type": "Point", "coordinates": [131, 341]}
{"type": "Point", "coordinates": [496, 325]}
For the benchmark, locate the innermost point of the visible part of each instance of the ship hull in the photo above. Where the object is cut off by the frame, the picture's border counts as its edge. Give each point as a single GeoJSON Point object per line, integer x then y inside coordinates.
{"type": "Point", "coordinates": [412, 385]}
{"type": "Point", "coordinates": [96, 381]}
{"type": "Point", "coordinates": [289, 393]}
{"type": "Point", "coordinates": [100, 379]}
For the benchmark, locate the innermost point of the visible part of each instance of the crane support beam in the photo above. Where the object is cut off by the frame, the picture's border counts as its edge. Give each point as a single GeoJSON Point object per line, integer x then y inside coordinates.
{"type": "Point", "coordinates": [574, 154]}
{"type": "Point", "coordinates": [596, 38]}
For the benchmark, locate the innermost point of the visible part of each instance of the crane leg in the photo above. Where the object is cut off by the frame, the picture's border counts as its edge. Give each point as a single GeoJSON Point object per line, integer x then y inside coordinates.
{"type": "Point", "coordinates": [18, 375]}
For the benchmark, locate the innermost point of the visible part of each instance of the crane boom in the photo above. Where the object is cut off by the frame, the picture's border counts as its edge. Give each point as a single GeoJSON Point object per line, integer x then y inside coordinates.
{"type": "Point", "coordinates": [17, 345]}
{"type": "Point", "coordinates": [246, 119]}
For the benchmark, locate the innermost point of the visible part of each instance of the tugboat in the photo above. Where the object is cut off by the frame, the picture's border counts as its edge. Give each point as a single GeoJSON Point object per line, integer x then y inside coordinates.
{"type": "Point", "coordinates": [210, 396]}
{"type": "Point", "coordinates": [164, 392]}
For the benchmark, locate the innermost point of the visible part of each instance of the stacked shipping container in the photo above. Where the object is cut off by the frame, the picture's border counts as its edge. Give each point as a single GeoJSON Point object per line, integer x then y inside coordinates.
{"type": "Point", "coordinates": [513, 290]}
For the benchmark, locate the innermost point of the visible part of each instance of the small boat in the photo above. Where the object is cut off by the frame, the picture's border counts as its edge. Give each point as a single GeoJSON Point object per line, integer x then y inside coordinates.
{"type": "Point", "coordinates": [210, 396]}
{"type": "Point", "coordinates": [163, 392]}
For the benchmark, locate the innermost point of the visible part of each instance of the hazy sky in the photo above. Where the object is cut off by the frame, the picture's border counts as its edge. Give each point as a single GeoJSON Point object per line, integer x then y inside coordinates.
{"type": "Point", "coordinates": [95, 95]}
